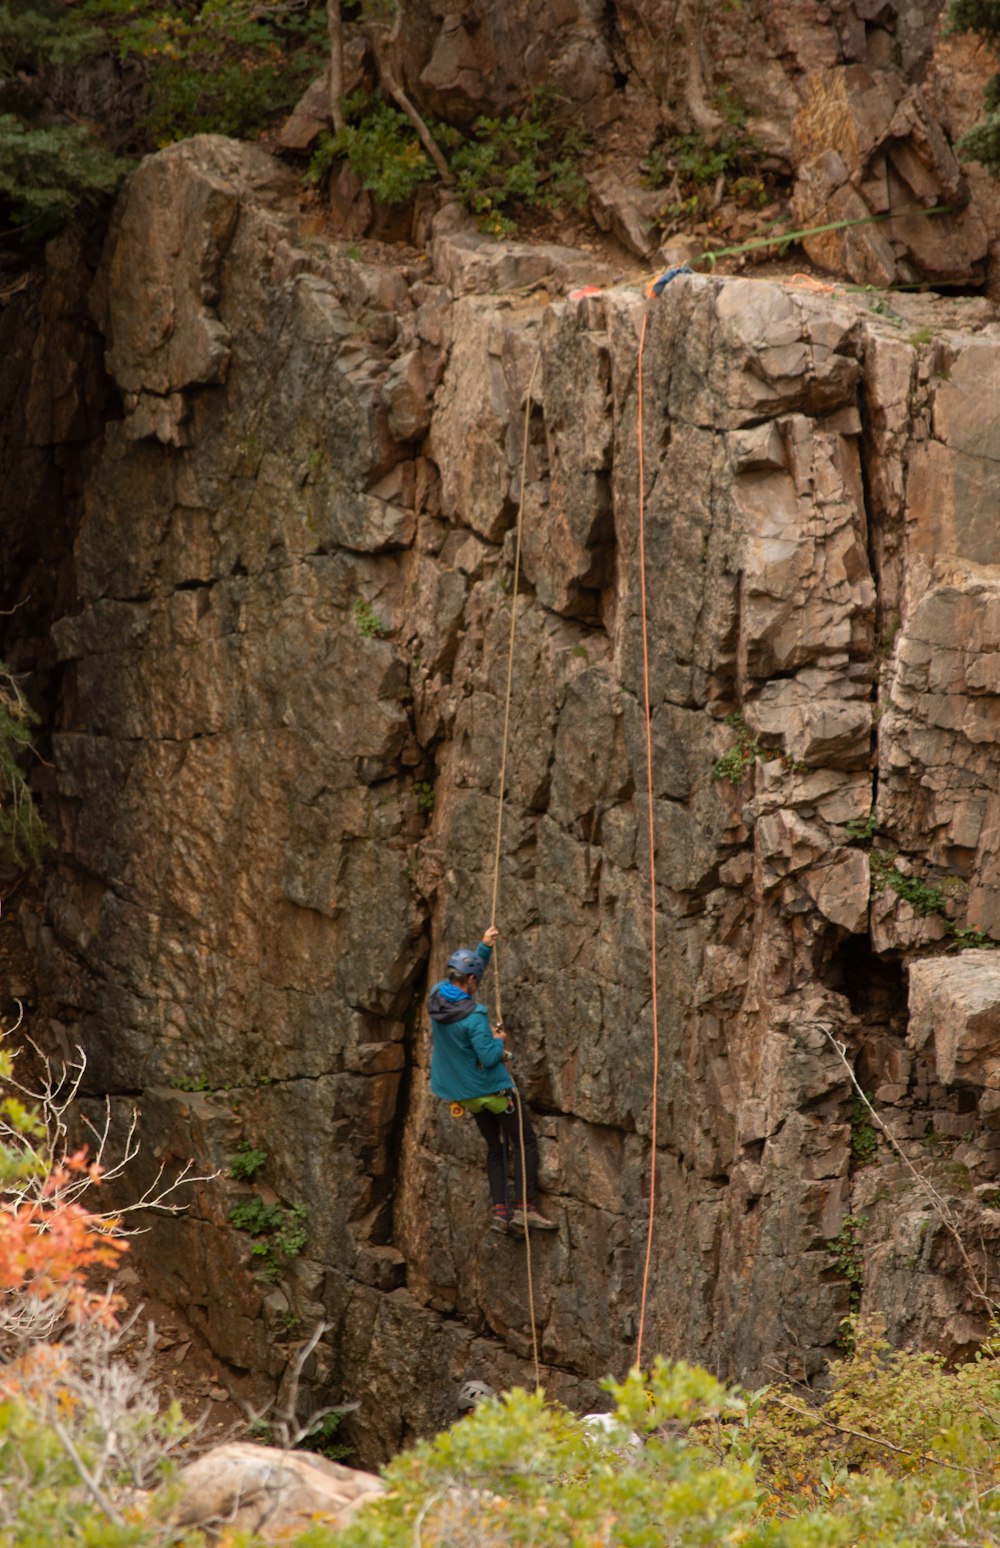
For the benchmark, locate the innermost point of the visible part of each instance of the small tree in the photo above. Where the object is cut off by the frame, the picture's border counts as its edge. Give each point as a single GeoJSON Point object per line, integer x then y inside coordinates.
{"type": "Point", "coordinates": [81, 1427]}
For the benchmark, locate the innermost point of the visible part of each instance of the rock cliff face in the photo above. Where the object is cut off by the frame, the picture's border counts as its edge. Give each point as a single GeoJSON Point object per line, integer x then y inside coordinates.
{"type": "Point", "coordinates": [280, 655]}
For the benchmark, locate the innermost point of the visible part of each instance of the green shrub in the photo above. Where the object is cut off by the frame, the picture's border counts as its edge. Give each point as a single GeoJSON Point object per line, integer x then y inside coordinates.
{"type": "Point", "coordinates": [734, 765]}
{"type": "Point", "coordinates": [500, 166]}
{"type": "Point", "coordinates": [382, 147]}
{"type": "Point", "coordinates": [247, 1162]}
{"type": "Point", "coordinates": [366, 620]}
{"type": "Point", "coordinates": [213, 66]}
{"type": "Point", "coordinates": [532, 160]}
{"type": "Point", "coordinates": [280, 1233]}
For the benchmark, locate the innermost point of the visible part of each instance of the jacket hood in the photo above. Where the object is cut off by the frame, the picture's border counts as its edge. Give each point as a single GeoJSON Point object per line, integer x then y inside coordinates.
{"type": "Point", "coordinates": [447, 1003]}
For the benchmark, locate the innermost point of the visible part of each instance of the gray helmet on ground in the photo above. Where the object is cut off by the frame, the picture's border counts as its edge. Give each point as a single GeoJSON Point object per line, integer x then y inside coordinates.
{"type": "Point", "coordinates": [472, 1393]}
{"type": "Point", "coordinates": [463, 961]}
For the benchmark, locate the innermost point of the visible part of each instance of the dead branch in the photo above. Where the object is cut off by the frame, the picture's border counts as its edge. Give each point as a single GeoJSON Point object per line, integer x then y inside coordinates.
{"type": "Point", "coordinates": [935, 1199]}
{"type": "Point", "coordinates": [383, 45]}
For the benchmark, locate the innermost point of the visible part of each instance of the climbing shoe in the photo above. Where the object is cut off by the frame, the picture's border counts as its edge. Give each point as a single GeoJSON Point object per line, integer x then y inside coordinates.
{"type": "Point", "coordinates": [501, 1219]}
{"type": "Point", "coordinates": [531, 1215]}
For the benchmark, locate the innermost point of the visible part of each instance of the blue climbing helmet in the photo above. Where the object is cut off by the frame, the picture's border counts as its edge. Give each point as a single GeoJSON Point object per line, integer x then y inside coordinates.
{"type": "Point", "coordinates": [463, 962]}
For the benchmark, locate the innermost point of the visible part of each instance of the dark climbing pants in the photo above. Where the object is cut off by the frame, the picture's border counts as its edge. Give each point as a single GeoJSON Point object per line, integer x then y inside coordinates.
{"type": "Point", "coordinates": [493, 1127]}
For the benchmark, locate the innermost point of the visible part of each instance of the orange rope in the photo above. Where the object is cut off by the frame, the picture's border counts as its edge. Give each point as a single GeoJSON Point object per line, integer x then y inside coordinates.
{"type": "Point", "coordinates": [652, 853]}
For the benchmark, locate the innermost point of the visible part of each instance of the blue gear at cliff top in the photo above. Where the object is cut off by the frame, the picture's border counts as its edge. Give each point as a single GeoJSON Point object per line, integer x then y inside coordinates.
{"type": "Point", "coordinates": [467, 1060]}
{"type": "Point", "coordinates": [659, 285]}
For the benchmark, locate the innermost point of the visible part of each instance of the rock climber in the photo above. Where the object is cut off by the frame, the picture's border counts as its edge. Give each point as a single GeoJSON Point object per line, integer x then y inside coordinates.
{"type": "Point", "coordinates": [468, 1068]}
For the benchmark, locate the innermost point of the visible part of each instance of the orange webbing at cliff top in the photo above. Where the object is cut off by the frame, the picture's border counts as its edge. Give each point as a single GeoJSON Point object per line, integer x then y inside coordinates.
{"type": "Point", "coordinates": [652, 857]}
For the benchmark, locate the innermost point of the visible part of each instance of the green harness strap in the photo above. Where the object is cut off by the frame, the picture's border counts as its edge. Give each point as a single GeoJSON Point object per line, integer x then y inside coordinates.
{"type": "Point", "coordinates": [498, 1103]}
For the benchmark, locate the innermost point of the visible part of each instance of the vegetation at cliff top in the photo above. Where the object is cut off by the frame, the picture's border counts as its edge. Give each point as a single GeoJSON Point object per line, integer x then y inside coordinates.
{"type": "Point", "coordinates": [527, 161]}
{"type": "Point", "coordinates": [48, 165]}
{"type": "Point", "coordinates": [211, 66]}
{"type": "Point", "coordinates": [981, 17]}
{"type": "Point", "coordinates": [199, 65]}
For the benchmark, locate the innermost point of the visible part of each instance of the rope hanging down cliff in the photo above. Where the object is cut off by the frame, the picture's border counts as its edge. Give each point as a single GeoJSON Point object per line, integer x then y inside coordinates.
{"type": "Point", "coordinates": [647, 721]}
{"type": "Point", "coordinates": [499, 840]}
{"type": "Point", "coordinates": [652, 853]}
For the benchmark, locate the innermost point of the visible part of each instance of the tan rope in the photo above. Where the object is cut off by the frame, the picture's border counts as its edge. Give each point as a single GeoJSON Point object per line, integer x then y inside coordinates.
{"type": "Point", "coordinates": [499, 841]}
{"type": "Point", "coordinates": [648, 722]}
{"type": "Point", "coordinates": [510, 655]}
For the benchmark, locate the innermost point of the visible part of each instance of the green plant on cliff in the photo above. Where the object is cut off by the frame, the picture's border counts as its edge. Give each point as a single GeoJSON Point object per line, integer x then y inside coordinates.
{"type": "Point", "coordinates": [925, 898]}
{"type": "Point", "coordinates": [280, 1233]}
{"type": "Point", "coordinates": [530, 160]}
{"type": "Point", "coordinates": [366, 620]}
{"type": "Point", "coordinates": [734, 765]}
{"type": "Point", "coordinates": [381, 146]}
{"type": "Point", "coordinates": [981, 17]}
{"type": "Point", "coordinates": [864, 1135]}
{"type": "Point", "coordinates": [500, 166]}
{"type": "Point", "coordinates": [24, 837]}
{"type": "Point", "coordinates": [848, 1260]}
{"type": "Point", "coordinates": [246, 1162]}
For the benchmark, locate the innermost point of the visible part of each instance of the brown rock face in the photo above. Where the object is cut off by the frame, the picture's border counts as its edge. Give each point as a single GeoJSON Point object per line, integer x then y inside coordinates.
{"type": "Point", "coordinates": [277, 760]}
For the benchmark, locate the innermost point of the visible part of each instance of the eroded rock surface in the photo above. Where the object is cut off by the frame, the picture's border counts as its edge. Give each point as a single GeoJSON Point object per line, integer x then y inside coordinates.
{"type": "Point", "coordinates": [277, 758]}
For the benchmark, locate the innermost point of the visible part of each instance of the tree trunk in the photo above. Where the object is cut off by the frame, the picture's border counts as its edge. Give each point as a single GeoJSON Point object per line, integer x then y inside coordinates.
{"type": "Point", "coordinates": [335, 28]}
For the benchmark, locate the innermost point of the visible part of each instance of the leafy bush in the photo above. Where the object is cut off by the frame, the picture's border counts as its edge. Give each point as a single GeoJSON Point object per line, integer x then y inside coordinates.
{"type": "Point", "coordinates": [213, 66]}
{"type": "Point", "coordinates": [734, 765]}
{"type": "Point", "coordinates": [501, 165]}
{"type": "Point", "coordinates": [81, 1427]}
{"type": "Point", "coordinates": [47, 167]}
{"type": "Point", "coordinates": [507, 162]}
{"type": "Point", "coordinates": [382, 147]}
{"type": "Point", "coordinates": [982, 17]}
{"type": "Point", "coordinates": [247, 1162]}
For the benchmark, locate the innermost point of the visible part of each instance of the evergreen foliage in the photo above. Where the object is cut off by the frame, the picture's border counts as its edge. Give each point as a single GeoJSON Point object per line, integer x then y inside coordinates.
{"type": "Point", "coordinates": [982, 17]}
{"type": "Point", "coordinates": [213, 66]}
{"type": "Point", "coordinates": [47, 167]}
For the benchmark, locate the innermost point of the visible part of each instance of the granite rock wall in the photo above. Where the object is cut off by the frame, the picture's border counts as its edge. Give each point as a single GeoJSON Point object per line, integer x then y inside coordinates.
{"type": "Point", "coordinates": [278, 658]}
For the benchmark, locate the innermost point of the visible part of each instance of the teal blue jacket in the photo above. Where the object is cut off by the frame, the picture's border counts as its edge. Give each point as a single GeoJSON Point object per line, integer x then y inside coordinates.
{"type": "Point", "coordinates": [467, 1060]}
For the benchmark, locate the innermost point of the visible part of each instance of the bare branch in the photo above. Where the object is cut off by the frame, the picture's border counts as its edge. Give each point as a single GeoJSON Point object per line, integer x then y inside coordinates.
{"type": "Point", "coordinates": [383, 50]}
{"type": "Point", "coordinates": [935, 1199]}
{"type": "Point", "coordinates": [335, 31]}
{"type": "Point", "coordinates": [90, 1482]}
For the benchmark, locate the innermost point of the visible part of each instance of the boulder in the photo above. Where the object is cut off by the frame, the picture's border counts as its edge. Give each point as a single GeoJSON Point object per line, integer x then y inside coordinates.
{"type": "Point", "coordinates": [955, 1012]}
{"type": "Point", "coordinates": [270, 1493]}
